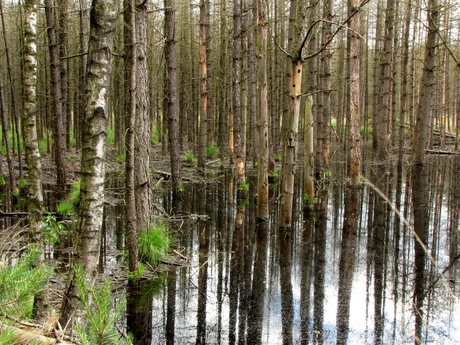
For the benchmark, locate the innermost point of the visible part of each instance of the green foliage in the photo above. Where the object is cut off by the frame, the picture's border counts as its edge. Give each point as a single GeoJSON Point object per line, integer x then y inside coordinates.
{"type": "Point", "coordinates": [6, 337]}
{"type": "Point", "coordinates": [10, 136]}
{"type": "Point", "coordinates": [51, 229]}
{"type": "Point", "coordinates": [138, 273]}
{"type": "Point", "coordinates": [20, 282]}
{"type": "Point", "coordinates": [2, 180]}
{"type": "Point", "coordinates": [243, 186]}
{"type": "Point", "coordinates": [43, 146]}
{"type": "Point", "coordinates": [362, 130]}
{"type": "Point", "coordinates": [190, 158]}
{"type": "Point", "coordinates": [110, 135]}
{"type": "Point", "coordinates": [275, 174]}
{"type": "Point", "coordinates": [277, 156]}
{"type": "Point", "coordinates": [97, 304]}
{"type": "Point", "coordinates": [121, 158]}
{"type": "Point", "coordinates": [154, 244]}
{"type": "Point", "coordinates": [212, 151]}
{"type": "Point", "coordinates": [68, 206]}
{"type": "Point", "coordinates": [155, 135]}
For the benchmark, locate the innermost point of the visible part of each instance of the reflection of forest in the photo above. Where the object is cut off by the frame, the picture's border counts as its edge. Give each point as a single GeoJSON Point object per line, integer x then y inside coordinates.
{"type": "Point", "coordinates": [349, 272]}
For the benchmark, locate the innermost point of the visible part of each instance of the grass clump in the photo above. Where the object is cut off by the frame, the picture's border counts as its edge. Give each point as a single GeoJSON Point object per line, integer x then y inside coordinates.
{"type": "Point", "coordinates": [190, 158]}
{"type": "Point", "coordinates": [212, 151]}
{"type": "Point", "coordinates": [154, 244]}
{"type": "Point", "coordinates": [68, 206]}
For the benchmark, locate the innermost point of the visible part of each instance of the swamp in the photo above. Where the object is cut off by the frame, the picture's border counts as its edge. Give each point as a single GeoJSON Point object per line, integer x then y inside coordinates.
{"type": "Point", "coordinates": [232, 279]}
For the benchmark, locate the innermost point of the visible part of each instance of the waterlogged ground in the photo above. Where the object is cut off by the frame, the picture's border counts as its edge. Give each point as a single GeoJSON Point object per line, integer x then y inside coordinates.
{"type": "Point", "coordinates": [351, 272]}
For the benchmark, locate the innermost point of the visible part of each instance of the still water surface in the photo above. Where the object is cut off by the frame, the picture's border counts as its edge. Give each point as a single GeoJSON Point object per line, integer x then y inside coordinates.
{"type": "Point", "coordinates": [340, 276]}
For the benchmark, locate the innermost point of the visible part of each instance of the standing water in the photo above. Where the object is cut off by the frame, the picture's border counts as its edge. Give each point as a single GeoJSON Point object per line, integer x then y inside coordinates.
{"type": "Point", "coordinates": [354, 271]}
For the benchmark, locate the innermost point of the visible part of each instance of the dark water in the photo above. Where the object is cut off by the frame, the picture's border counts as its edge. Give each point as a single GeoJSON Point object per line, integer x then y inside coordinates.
{"type": "Point", "coordinates": [348, 273]}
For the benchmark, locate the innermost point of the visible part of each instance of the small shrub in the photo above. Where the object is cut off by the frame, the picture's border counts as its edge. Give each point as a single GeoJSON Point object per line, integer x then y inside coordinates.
{"type": "Point", "coordinates": [155, 135]}
{"type": "Point", "coordinates": [102, 318]}
{"type": "Point", "coordinates": [154, 244]}
{"type": "Point", "coordinates": [243, 186]}
{"type": "Point", "coordinates": [138, 273]}
{"type": "Point", "coordinates": [190, 158]}
{"type": "Point", "coordinates": [212, 151]}
{"type": "Point", "coordinates": [51, 229]}
{"type": "Point", "coordinates": [68, 207]}
{"type": "Point", "coordinates": [20, 282]}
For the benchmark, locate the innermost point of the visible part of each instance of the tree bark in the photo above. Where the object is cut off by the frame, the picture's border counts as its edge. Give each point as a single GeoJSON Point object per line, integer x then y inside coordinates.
{"type": "Point", "coordinates": [427, 94]}
{"type": "Point", "coordinates": [87, 242]}
{"type": "Point", "coordinates": [143, 187]}
{"type": "Point", "coordinates": [290, 145]}
{"type": "Point", "coordinates": [171, 95]}
{"type": "Point", "coordinates": [57, 117]}
{"type": "Point", "coordinates": [130, 119]}
{"type": "Point", "coordinates": [33, 159]}
{"type": "Point", "coordinates": [262, 90]}
{"type": "Point", "coordinates": [354, 43]}
{"type": "Point", "coordinates": [202, 142]}
{"type": "Point", "coordinates": [238, 140]}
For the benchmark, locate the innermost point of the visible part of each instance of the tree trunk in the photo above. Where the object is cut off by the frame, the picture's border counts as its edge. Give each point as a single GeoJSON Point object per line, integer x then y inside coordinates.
{"type": "Point", "coordinates": [262, 111]}
{"type": "Point", "coordinates": [238, 140]}
{"type": "Point", "coordinates": [383, 114]}
{"type": "Point", "coordinates": [324, 133]}
{"type": "Point", "coordinates": [57, 116]}
{"type": "Point", "coordinates": [203, 85]}
{"type": "Point", "coordinates": [290, 145]}
{"type": "Point", "coordinates": [130, 119]}
{"type": "Point", "coordinates": [404, 83]}
{"type": "Point", "coordinates": [143, 187]}
{"type": "Point", "coordinates": [87, 243]}
{"type": "Point", "coordinates": [308, 179]}
{"type": "Point", "coordinates": [6, 139]}
{"type": "Point", "coordinates": [427, 94]}
{"type": "Point", "coordinates": [33, 159]}
{"type": "Point", "coordinates": [171, 95]}
{"type": "Point", "coordinates": [354, 44]}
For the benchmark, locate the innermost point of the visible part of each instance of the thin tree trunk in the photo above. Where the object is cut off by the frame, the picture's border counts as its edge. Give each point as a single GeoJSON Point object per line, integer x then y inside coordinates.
{"type": "Point", "coordinates": [11, 85]}
{"type": "Point", "coordinates": [33, 159]}
{"type": "Point", "coordinates": [58, 119]}
{"type": "Point", "coordinates": [130, 120]}
{"type": "Point", "coordinates": [171, 95]}
{"type": "Point", "coordinates": [262, 90]}
{"type": "Point", "coordinates": [143, 187]}
{"type": "Point", "coordinates": [238, 144]}
{"type": "Point", "coordinates": [87, 243]}
{"type": "Point", "coordinates": [404, 83]}
{"type": "Point", "coordinates": [290, 145]}
{"type": "Point", "coordinates": [202, 143]}
{"type": "Point", "coordinates": [354, 161]}
{"type": "Point", "coordinates": [427, 95]}
{"type": "Point", "coordinates": [308, 179]}
{"type": "Point", "coordinates": [6, 138]}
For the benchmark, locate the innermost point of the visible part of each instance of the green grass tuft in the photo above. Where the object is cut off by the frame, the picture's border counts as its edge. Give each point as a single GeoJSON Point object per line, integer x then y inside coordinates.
{"type": "Point", "coordinates": [154, 244]}
{"type": "Point", "coordinates": [212, 151]}
{"type": "Point", "coordinates": [190, 158]}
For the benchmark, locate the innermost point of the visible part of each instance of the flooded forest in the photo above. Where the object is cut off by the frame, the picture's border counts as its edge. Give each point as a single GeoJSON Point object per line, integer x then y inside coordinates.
{"type": "Point", "coordinates": [229, 172]}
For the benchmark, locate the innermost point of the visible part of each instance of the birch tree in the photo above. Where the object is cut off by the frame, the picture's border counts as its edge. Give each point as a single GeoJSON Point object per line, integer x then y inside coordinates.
{"type": "Point", "coordinates": [88, 234]}
{"type": "Point", "coordinates": [33, 159]}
